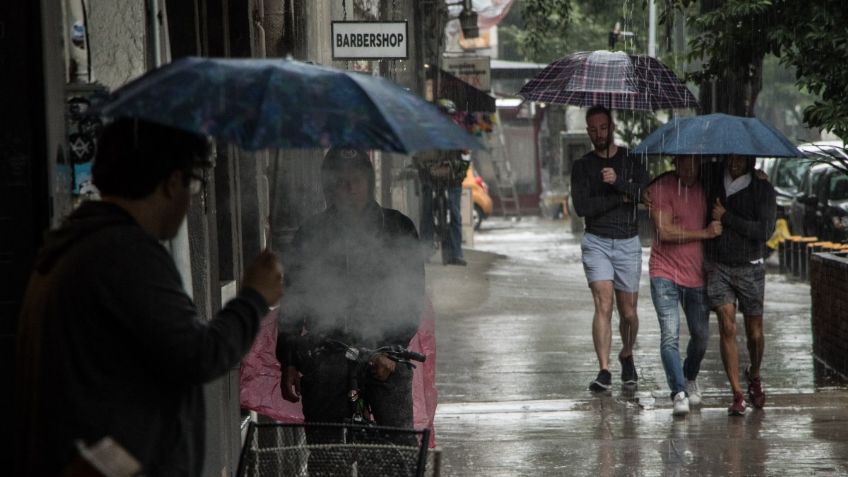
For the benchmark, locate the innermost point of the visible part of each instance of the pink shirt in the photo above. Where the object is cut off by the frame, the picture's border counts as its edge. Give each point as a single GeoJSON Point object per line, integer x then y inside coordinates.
{"type": "Point", "coordinates": [682, 263]}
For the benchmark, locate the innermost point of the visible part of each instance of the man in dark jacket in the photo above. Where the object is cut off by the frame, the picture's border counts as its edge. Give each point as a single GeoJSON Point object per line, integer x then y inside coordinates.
{"type": "Point", "coordinates": [354, 275]}
{"type": "Point", "coordinates": [606, 186]}
{"type": "Point", "coordinates": [109, 343]}
{"type": "Point", "coordinates": [746, 207]}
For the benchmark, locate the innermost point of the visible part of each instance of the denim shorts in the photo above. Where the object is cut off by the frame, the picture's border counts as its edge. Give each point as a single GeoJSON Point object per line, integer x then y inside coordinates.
{"type": "Point", "coordinates": [745, 284]}
{"type": "Point", "coordinates": [615, 260]}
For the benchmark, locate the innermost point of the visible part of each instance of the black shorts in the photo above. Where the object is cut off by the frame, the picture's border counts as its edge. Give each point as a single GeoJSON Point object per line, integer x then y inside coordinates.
{"type": "Point", "coordinates": [743, 284]}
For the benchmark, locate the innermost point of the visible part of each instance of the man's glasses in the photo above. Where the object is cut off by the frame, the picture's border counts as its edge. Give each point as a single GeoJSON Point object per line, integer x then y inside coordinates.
{"type": "Point", "coordinates": [196, 181]}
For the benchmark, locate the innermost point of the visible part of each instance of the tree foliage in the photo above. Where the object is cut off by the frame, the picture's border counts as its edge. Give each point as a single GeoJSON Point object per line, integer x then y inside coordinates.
{"type": "Point", "coordinates": [542, 18]}
{"type": "Point", "coordinates": [812, 36]}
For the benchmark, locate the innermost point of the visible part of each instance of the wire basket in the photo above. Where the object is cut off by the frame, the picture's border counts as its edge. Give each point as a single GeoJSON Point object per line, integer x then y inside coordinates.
{"type": "Point", "coordinates": [324, 450]}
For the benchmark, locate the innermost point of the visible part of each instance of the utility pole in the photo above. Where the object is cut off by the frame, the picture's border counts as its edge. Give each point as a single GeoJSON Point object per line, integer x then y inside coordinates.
{"type": "Point", "coordinates": [652, 28]}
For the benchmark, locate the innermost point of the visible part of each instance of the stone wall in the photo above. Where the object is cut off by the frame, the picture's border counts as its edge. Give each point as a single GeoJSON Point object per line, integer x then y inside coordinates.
{"type": "Point", "coordinates": [829, 290]}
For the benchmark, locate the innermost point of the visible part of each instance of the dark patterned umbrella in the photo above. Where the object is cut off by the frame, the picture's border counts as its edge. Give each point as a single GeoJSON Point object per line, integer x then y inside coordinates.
{"type": "Point", "coordinates": [610, 78]}
{"type": "Point", "coordinates": [276, 103]}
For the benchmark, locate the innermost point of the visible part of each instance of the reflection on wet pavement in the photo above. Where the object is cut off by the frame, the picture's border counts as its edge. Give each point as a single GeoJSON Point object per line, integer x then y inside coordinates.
{"type": "Point", "coordinates": [514, 363]}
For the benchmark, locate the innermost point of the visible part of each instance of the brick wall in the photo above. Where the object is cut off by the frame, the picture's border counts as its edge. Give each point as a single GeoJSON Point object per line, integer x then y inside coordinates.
{"type": "Point", "coordinates": [829, 290]}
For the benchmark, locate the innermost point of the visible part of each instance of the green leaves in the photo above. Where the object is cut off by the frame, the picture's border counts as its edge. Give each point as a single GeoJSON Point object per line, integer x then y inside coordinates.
{"type": "Point", "coordinates": [543, 19]}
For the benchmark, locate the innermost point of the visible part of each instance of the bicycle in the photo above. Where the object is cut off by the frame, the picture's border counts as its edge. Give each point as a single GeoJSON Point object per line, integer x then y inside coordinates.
{"type": "Point", "coordinates": [360, 359]}
{"type": "Point", "coordinates": [358, 446]}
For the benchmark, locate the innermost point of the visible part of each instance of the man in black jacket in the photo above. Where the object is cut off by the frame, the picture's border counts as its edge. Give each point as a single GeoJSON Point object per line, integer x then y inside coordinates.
{"type": "Point", "coordinates": [109, 343]}
{"type": "Point", "coordinates": [746, 207]}
{"type": "Point", "coordinates": [606, 187]}
{"type": "Point", "coordinates": [354, 275]}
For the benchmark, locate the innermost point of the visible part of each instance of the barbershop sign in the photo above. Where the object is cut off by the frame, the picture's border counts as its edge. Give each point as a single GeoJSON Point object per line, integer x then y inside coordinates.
{"type": "Point", "coordinates": [370, 41]}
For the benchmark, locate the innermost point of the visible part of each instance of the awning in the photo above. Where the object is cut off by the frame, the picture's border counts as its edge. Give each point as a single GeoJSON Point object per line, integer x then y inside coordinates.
{"type": "Point", "coordinates": [466, 97]}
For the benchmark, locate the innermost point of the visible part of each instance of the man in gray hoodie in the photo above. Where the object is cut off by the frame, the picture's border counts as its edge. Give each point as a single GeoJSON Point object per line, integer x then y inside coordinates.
{"type": "Point", "coordinates": [109, 343]}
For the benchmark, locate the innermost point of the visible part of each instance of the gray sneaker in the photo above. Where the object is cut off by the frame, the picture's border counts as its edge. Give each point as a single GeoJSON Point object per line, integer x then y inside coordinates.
{"type": "Point", "coordinates": [681, 404]}
{"type": "Point", "coordinates": [694, 392]}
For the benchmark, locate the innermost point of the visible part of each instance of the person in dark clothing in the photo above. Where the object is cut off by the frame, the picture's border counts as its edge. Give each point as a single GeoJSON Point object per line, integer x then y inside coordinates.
{"type": "Point", "coordinates": [109, 343]}
{"type": "Point", "coordinates": [439, 170]}
{"type": "Point", "coordinates": [746, 206]}
{"type": "Point", "coordinates": [354, 275]}
{"type": "Point", "coordinates": [606, 186]}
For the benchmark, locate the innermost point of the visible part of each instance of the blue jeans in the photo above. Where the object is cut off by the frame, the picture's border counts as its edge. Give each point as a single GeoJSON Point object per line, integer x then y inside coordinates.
{"type": "Point", "coordinates": [666, 296]}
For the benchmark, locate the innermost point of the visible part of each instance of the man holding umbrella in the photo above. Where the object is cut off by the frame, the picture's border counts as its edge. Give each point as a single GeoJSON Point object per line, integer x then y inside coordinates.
{"type": "Point", "coordinates": [109, 342]}
{"type": "Point", "coordinates": [746, 207]}
{"type": "Point", "coordinates": [606, 185]}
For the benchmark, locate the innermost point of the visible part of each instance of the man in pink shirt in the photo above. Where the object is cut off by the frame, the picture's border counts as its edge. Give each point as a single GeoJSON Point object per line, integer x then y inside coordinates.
{"type": "Point", "coordinates": [678, 209]}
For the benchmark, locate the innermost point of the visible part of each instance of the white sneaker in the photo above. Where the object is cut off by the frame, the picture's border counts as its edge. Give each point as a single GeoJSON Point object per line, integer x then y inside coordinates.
{"type": "Point", "coordinates": [694, 392]}
{"type": "Point", "coordinates": [681, 404]}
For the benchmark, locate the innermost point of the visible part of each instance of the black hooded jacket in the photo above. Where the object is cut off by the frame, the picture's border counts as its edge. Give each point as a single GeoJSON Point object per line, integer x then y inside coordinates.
{"type": "Point", "coordinates": [110, 344]}
{"type": "Point", "coordinates": [359, 280]}
{"type": "Point", "coordinates": [747, 224]}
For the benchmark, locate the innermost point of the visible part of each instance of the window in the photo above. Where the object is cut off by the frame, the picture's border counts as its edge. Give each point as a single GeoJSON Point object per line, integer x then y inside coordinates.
{"type": "Point", "coordinates": [838, 189]}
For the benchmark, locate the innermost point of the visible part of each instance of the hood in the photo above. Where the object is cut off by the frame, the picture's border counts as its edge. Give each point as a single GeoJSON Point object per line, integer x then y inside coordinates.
{"type": "Point", "coordinates": [87, 219]}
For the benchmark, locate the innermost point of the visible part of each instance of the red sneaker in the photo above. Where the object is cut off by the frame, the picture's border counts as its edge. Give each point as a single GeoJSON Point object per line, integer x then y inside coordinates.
{"type": "Point", "coordinates": [755, 390]}
{"type": "Point", "coordinates": [738, 407]}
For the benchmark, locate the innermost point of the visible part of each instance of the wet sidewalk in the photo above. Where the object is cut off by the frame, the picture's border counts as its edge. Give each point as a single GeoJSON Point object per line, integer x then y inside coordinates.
{"type": "Point", "coordinates": [515, 357]}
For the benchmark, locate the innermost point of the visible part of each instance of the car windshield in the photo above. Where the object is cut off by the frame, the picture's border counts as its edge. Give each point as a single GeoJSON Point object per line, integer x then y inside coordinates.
{"type": "Point", "coordinates": [838, 187]}
{"type": "Point", "coordinates": [790, 172]}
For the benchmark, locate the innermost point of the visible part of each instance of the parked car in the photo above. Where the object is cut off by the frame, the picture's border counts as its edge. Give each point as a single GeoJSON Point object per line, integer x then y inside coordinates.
{"type": "Point", "coordinates": [786, 174]}
{"type": "Point", "coordinates": [480, 196]}
{"type": "Point", "coordinates": [803, 208]}
{"type": "Point", "coordinates": [821, 208]}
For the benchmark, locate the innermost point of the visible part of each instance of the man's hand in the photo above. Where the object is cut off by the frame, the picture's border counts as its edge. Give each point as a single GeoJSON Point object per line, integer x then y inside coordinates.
{"type": "Point", "coordinates": [608, 175]}
{"type": "Point", "coordinates": [761, 174]}
{"type": "Point", "coordinates": [290, 384]}
{"type": "Point", "coordinates": [718, 210]}
{"type": "Point", "coordinates": [646, 198]}
{"type": "Point", "coordinates": [381, 366]}
{"type": "Point", "coordinates": [265, 275]}
{"type": "Point", "coordinates": [714, 229]}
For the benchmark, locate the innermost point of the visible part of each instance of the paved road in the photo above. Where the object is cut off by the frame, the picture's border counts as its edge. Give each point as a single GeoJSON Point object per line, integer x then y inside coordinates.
{"type": "Point", "coordinates": [515, 357]}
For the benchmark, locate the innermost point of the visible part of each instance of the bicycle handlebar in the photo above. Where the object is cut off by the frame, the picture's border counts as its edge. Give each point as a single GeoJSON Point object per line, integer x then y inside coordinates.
{"type": "Point", "coordinates": [394, 352]}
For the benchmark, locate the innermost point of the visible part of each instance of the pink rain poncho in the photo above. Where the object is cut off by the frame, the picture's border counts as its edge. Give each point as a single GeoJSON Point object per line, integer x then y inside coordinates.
{"type": "Point", "coordinates": [260, 376]}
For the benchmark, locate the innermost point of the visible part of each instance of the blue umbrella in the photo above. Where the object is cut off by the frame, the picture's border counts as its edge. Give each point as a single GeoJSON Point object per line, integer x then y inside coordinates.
{"type": "Point", "coordinates": [717, 135]}
{"type": "Point", "coordinates": [276, 103]}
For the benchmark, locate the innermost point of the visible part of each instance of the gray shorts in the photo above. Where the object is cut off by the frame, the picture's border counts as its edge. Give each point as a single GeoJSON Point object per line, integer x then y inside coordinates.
{"type": "Point", "coordinates": [745, 284]}
{"type": "Point", "coordinates": [616, 260]}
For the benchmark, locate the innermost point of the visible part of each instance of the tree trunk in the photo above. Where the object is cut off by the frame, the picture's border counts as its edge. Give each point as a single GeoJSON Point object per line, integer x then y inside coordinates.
{"type": "Point", "coordinates": [735, 90]}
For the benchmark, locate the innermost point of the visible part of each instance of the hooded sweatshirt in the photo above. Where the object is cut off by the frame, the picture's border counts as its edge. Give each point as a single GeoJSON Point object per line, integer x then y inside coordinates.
{"type": "Point", "coordinates": [747, 223]}
{"type": "Point", "coordinates": [109, 344]}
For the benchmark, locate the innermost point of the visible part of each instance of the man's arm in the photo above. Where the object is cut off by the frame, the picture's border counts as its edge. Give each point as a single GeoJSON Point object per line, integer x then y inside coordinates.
{"type": "Point", "coordinates": [584, 204]}
{"type": "Point", "coordinates": [405, 287]}
{"type": "Point", "coordinates": [639, 182]}
{"type": "Point", "coordinates": [667, 231]}
{"type": "Point", "coordinates": [143, 291]}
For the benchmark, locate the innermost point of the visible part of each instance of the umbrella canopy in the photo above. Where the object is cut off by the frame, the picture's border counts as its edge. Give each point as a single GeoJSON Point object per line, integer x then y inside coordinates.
{"type": "Point", "coordinates": [276, 103]}
{"type": "Point", "coordinates": [610, 78]}
{"type": "Point", "coordinates": [715, 135]}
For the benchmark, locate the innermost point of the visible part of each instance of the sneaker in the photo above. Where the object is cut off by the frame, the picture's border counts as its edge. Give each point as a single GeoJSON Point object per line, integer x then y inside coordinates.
{"type": "Point", "coordinates": [602, 382]}
{"type": "Point", "coordinates": [457, 261]}
{"type": "Point", "coordinates": [628, 370]}
{"type": "Point", "coordinates": [694, 393]}
{"type": "Point", "coordinates": [755, 390]}
{"type": "Point", "coordinates": [681, 404]}
{"type": "Point", "coordinates": [738, 407]}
